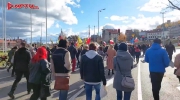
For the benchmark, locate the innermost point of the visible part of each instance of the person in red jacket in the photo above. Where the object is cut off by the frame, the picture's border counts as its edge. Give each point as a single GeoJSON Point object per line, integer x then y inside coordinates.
{"type": "Point", "coordinates": [137, 53]}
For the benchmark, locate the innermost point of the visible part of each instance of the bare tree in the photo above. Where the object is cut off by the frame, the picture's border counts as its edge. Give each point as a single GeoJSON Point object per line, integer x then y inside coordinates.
{"type": "Point", "coordinates": [174, 4]}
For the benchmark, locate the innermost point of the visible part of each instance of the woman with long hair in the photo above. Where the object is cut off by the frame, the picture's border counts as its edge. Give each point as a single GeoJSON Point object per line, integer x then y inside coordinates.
{"type": "Point", "coordinates": [39, 70]}
{"type": "Point", "coordinates": [111, 53]}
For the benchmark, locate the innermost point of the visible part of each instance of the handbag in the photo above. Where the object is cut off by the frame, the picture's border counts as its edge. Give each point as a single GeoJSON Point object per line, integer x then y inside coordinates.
{"type": "Point", "coordinates": [103, 91]}
{"type": "Point", "coordinates": [45, 91]}
{"type": "Point", "coordinates": [61, 83]}
{"type": "Point", "coordinates": [126, 82]}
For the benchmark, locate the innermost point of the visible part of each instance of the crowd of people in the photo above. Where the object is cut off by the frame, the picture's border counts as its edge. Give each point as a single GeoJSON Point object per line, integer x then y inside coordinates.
{"type": "Point", "coordinates": [38, 64]}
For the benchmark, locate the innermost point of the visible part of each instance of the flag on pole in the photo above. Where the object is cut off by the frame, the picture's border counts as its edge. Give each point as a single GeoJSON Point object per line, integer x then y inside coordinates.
{"type": "Point", "coordinates": [79, 42]}
{"type": "Point", "coordinates": [85, 40]}
{"type": "Point", "coordinates": [88, 41]}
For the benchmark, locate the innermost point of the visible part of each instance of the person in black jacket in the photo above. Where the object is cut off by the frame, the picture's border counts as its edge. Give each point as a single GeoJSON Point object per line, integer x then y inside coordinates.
{"type": "Point", "coordinates": [170, 48]}
{"type": "Point", "coordinates": [116, 46]}
{"type": "Point", "coordinates": [48, 54]}
{"type": "Point", "coordinates": [77, 56]}
{"type": "Point", "coordinates": [73, 53]}
{"type": "Point", "coordinates": [21, 61]}
{"type": "Point", "coordinates": [92, 72]}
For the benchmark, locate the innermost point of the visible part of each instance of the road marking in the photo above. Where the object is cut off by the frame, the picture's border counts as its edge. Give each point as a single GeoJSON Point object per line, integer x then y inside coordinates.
{"type": "Point", "coordinates": [178, 88]}
{"type": "Point", "coordinates": [109, 82]}
{"type": "Point", "coordinates": [4, 77]}
{"type": "Point", "coordinates": [78, 93]}
{"type": "Point", "coordinates": [139, 83]}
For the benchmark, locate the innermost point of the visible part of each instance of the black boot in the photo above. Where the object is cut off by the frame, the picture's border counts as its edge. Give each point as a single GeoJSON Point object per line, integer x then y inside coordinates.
{"type": "Point", "coordinates": [137, 60]}
{"type": "Point", "coordinates": [112, 71]}
{"type": "Point", "coordinates": [109, 72]}
{"type": "Point", "coordinates": [8, 70]}
{"type": "Point", "coordinates": [11, 95]}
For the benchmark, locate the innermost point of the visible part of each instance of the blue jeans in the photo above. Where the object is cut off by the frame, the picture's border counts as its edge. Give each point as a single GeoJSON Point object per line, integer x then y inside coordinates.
{"type": "Point", "coordinates": [88, 89]}
{"type": "Point", "coordinates": [127, 95]}
{"type": "Point", "coordinates": [63, 94]}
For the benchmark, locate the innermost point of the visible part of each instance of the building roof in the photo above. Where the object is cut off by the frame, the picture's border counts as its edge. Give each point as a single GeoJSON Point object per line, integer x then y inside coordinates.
{"type": "Point", "coordinates": [155, 31]}
{"type": "Point", "coordinates": [12, 41]}
{"type": "Point", "coordinates": [112, 31]}
{"type": "Point", "coordinates": [129, 31]}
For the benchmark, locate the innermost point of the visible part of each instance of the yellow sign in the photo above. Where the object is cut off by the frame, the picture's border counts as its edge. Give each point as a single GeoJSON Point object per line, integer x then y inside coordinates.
{"type": "Point", "coordinates": [133, 35]}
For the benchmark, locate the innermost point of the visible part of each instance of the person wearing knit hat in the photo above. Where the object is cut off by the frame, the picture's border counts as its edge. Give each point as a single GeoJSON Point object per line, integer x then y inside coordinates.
{"type": "Point", "coordinates": [158, 60]}
{"type": "Point", "coordinates": [123, 47]}
{"type": "Point", "coordinates": [123, 63]}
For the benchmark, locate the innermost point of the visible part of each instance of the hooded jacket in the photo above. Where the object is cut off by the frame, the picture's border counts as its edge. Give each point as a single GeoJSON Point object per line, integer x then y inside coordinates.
{"type": "Point", "coordinates": [92, 68]}
{"type": "Point", "coordinates": [157, 58]}
{"type": "Point", "coordinates": [125, 61]}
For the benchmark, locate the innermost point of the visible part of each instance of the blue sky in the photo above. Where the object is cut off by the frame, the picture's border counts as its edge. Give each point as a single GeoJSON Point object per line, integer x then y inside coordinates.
{"type": "Point", "coordinates": [87, 14]}
{"type": "Point", "coordinates": [113, 7]}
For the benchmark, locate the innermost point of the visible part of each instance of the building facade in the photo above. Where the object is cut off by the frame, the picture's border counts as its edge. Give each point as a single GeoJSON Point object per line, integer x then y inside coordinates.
{"type": "Point", "coordinates": [157, 33]}
{"type": "Point", "coordinates": [174, 31]}
{"type": "Point", "coordinates": [11, 43]}
{"type": "Point", "coordinates": [131, 34]}
{"type": "Point", "coordinates": [110, 34]}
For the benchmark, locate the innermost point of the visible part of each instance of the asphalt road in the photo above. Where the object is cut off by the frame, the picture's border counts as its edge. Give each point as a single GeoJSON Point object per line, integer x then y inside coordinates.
{"type": "Point", "coordinates": [170, 86]}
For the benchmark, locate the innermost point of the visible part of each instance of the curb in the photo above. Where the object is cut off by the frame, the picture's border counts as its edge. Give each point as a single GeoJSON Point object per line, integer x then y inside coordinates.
{"type": "Point", "coordinates": [2, 68]}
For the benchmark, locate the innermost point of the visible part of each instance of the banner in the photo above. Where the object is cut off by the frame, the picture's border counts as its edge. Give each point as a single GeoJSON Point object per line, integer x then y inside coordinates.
{"type": "Point", "coordinates": [79, 42]}
{"type": "Point", "coordinates": [88, 41]}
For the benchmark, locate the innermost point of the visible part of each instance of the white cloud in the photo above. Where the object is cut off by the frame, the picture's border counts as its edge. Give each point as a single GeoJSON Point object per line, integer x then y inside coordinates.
{"type": "Point", "coordinates": [142, 22]}
{"type": "Point", "coordinates": [82, 11]}
{"type": "Point", "coordinates": [19, 24]}
{"type": "Point", "coordinates": [118, 18]}
{"type": "Point", "coordinates": [57, 25]}
{"type": "Point", "coordinates": [154, 5]}
{"type": "Point", "coordinates": [106, 17]}
{"type": "Point", "coordinates": [125, 21]}
{"type": "Point", "coordinates": [78, 1]}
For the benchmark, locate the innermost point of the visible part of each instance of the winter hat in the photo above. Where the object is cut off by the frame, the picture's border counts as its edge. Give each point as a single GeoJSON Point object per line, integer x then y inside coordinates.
{"type": "Point", "coordinates": [157, 41]}
{"type": "Point", "coordinates": [123, 47]}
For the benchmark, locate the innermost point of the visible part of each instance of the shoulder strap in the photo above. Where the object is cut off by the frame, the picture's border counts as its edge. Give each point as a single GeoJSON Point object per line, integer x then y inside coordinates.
{"type": "Point", "coordinates": [118, 65]}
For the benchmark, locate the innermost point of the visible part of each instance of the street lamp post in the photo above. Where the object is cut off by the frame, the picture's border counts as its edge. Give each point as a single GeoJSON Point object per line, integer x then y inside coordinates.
{"type": "Point", "coordinates": [5, 47]}
{"type": "Point", "coordinates": [46, 20]}
{"type": "Point", "coordinates": [41, 33]}
{"type": "Point", "coordinates": [31, 22]}
{"type": "Point", "coordinates": [3, 22]}
{"type": "Point", "coordinates": [98, 18]}
{"type": "Point", "coordinates": [163, 26]}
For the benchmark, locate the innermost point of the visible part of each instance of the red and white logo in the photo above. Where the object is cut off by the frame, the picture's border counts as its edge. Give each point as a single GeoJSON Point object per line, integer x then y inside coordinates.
{"type": "Point", "coordinates": [20, 6]}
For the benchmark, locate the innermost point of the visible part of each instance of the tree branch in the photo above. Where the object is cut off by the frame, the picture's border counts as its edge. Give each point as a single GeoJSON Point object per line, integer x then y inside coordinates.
{"type": "Point", "coordinates": [173, 5]}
